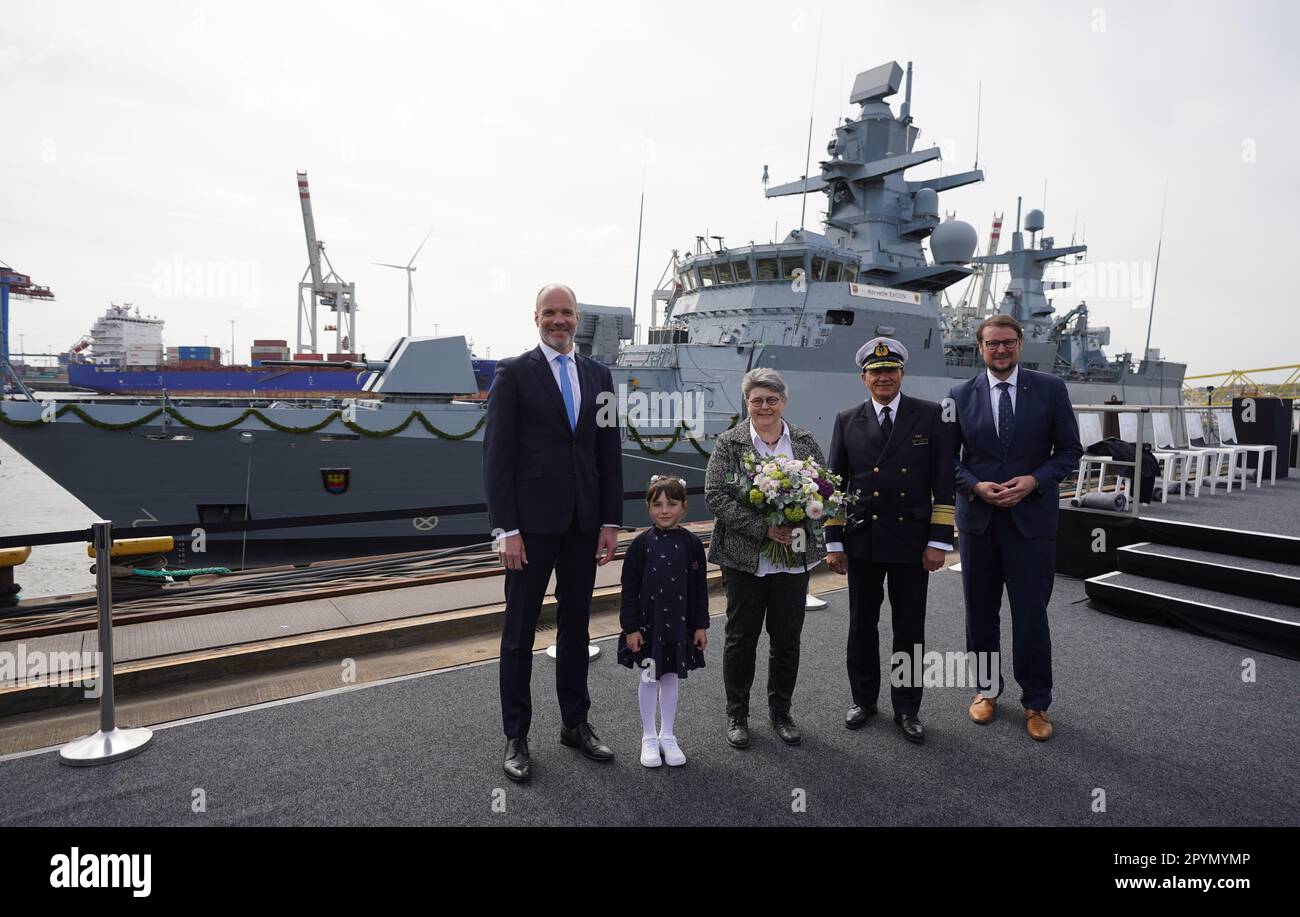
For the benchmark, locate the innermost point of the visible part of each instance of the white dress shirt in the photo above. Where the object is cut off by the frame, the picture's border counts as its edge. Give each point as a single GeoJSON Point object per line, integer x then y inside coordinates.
{"type": "Point", "coordinates": [836, 546]}
{"type": "Point", "coordinates": [995, 393]}
{"type": "Point", "coordinates": [551, 353]}
{"type": "Point", "coordinates": [782, 447]}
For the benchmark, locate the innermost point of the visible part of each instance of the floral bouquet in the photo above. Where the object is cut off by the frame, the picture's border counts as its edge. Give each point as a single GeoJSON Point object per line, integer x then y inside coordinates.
{"type": "Point", "coordinates": [790, 492]}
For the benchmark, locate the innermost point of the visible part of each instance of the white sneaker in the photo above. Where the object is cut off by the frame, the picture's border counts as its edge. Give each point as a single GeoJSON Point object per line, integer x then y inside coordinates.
{"type": "Point", "coordinates": [650, 752]}
{"type": "Point", "coordinates": [672, 754]}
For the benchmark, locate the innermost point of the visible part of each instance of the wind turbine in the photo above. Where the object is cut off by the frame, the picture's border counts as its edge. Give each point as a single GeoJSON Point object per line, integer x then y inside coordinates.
{"type": "Point", "coordinates": [410, 287]}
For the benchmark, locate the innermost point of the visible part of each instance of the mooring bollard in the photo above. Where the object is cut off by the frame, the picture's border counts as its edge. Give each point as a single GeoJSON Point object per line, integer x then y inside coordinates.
{"type": "Point", "coordinates": [110, 743]}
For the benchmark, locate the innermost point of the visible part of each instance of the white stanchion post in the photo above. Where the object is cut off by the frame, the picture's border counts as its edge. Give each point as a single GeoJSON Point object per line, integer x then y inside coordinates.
{"type": "Point", "coordinates": [110, 743]}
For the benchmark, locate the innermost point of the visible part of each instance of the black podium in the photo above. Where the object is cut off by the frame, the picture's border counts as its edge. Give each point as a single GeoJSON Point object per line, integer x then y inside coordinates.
{"type": "Point", "coordinates": [1261, 421]}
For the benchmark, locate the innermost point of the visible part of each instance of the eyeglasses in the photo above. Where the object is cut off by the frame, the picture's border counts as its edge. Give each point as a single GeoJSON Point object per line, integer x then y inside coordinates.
{"type": "Point", "coordinates": [1010, 344]}
{"type": "Point", "coordinates": [759, 402]}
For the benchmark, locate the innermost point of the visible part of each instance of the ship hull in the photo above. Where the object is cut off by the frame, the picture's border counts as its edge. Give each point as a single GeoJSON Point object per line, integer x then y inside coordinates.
{"type": "Point", "coordinates": [146, 477]}
{"type": "Point", "coordinates": [154, 475]}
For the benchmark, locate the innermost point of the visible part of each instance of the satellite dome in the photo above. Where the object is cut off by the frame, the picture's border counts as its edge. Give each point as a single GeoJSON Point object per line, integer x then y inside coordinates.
{"type": "Point", "coordinates": [953, 242]}
{"type": "Point", "coordinates": [1034, 221]}
{"type": "Point", "coordinates": [925, 204]}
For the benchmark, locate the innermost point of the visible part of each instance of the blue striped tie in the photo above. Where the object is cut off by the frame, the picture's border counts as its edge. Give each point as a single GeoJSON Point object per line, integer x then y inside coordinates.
{"type": "Point", "coordinates": [1006, 417]}
{"type": "Point", "coordinates": [566, 389]}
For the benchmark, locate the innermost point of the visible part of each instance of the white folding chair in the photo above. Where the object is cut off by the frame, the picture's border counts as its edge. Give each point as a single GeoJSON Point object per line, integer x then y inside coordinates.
{"type": "Point", "coordinates": [1215, 458]}
{"type": "Point", "coordinates": [1169, 460]}
{"type": "Point", "coordinates": [1185, 458]}
{"type": "Point", "coordinates": [1090, 433]}
{"type": "Point", "coordinates": [1228, 437]}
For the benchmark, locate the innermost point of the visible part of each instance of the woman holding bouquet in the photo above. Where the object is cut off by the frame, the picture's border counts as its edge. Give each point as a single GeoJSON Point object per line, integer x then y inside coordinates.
{"type": "Point", "coordinates": [764, 565]}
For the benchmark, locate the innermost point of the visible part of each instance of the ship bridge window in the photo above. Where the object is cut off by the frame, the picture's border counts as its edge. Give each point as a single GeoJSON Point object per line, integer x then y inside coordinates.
{"type": "Point", "coordinates": [850, 273]}
{"type": "Point", "coordinates": [707, 277]}
{"type": "Point", "coordinates": [839, 317]}
{"type": "Point", "coordinates": [768, 270]}
{"type": "Point", "coordinates": [688, 278]}
{"type": "Point", "coordinates": [818, 269]}
{"type": "Point", "coordinates": [789, 266]}
{"type": "Point", "coordinates": [835, 272]}
{"type": "Point", "coordinates": [724, 273]}
{"type": "Point", "coordinates": [743, 274]}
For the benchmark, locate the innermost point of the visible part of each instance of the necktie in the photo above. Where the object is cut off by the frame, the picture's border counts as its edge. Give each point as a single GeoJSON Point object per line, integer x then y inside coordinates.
{"type": "Point", "coordinates": [1006, 417]}
{"type": "Point", "coordinates": [886, 422]}
{"type": "Point", "coordinates": [566, 389]}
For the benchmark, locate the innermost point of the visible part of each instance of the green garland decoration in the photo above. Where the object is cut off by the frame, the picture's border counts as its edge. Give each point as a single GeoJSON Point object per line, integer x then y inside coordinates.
{"type": "Point", "coordinates": [636, 437]}
{"type": "Point", "coordinates": [253, 413]}
{"type": "Point", "coordinates": [677, 435]}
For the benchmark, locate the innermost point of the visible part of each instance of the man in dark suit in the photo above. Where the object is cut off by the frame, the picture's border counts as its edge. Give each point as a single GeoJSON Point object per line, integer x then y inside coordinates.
{"type": "Point", "coordinates": [554, 484]}
{"type": "Point", "coordinates": [1019, 439]}
{"type": "Point", "coordinates": [897, 452]}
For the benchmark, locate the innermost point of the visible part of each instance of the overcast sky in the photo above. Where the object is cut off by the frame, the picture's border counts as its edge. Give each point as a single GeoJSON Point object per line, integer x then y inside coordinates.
{"type": "Point", "coordinates": [149, 152]}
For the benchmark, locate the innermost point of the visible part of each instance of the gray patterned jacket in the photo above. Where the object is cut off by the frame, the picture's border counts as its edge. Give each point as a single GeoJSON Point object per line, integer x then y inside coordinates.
{"type": "Point", "coordinates": [739, 529]}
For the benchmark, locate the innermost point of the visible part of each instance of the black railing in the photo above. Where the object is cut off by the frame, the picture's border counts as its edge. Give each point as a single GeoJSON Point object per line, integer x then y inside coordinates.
{"type": "Point", "coordinates": [85, 535]}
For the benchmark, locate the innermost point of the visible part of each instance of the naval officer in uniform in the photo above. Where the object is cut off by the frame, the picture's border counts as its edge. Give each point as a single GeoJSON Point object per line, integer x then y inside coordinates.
{"type": "Point", "coordinates": [897, 452]}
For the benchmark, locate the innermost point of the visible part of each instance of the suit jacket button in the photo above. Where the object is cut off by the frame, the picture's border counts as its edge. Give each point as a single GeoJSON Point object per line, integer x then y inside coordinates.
{"type": "Point", "coordinates": [902, 493]}
{"type": "Point", "coordinates": [875, 493]}
{"type": "Point", "coordinates": [877, 470]}
{"type": "Point", "coordinates": [875, 517]}
{"type": "Point", "coordinates": [900, 518]}
{"type": "Point", "coordinates": [904, 471]}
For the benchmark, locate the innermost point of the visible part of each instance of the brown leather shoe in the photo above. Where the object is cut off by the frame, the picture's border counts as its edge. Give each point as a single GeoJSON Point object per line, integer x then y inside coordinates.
{"type": "Point", "coordinates": [1038, 725]}
{"type": "Point", "coordinates": [983, 708]}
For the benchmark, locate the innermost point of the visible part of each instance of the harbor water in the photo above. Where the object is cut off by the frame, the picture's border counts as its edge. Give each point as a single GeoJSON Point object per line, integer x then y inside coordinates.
{"type": "Point", "coordinates": [31, 502]}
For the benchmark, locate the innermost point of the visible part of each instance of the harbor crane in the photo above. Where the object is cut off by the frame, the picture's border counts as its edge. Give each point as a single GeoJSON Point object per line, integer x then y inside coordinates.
{"type": "Point", "coordinates": [12, 283]}
{"type": "Point", "coordinates": [323, 289]}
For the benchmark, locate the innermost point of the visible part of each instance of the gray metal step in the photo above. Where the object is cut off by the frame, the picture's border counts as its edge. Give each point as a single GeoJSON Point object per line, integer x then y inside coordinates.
{"type": "Point", "coordinates": [1267, 626]}
{"type": "Point", "coordinates": [1252, 578]}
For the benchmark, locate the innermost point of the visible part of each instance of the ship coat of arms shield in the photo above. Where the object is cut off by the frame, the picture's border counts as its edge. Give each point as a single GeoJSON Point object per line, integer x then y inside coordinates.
{"type": "Point", "coordinates": [336, 480]}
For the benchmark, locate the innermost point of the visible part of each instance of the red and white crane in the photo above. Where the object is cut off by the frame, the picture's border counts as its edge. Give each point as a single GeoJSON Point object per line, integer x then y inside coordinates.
{"type": "Point", "coordinates": [323, 289]}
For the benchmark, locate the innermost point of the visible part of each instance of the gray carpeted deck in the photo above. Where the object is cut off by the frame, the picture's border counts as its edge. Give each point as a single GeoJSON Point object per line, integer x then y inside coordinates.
{"type": "Point", "coordinates": [1157, 718]}
{"type": "Point", "coordinates": [1264, 509]}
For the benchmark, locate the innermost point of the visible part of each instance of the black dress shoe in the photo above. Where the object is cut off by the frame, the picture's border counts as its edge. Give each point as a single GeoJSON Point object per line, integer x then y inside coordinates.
{"type": "Point", "coordinates": [518, 766]}
{"type": "Point", "coordinates": [786, 729]}
{"type": "Point", "coordinates": [584, 739]}
{"type": "Point", "coordinates": [911, 727]}
{"type": "Point", "coordinates": [738, 732]}
{"type": "Point", "coordinates": [857, 716]}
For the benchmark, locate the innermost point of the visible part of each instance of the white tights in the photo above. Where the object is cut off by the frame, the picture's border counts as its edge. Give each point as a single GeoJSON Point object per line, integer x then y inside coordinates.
{"type": "Point", "coordinates": [664, 690]}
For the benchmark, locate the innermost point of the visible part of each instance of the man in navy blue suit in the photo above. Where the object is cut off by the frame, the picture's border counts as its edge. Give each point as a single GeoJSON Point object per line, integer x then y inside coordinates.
{"type": "Point", "coordinates": [553, 479]}
{"type": "Point", "coordinates": [1019, 439]}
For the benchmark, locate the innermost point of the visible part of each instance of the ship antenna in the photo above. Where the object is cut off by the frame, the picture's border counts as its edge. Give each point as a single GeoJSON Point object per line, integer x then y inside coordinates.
{"type": "Point", "coordinates": [1155, 277]}
{"type": "Point", "coordinates": [636, 276]}
{"type": "Point", "coordinates": [906, 111]}
{"type": "Point", "coordinates": [979, 103]}
{"type": "Point", "coordinates": [807, 156]}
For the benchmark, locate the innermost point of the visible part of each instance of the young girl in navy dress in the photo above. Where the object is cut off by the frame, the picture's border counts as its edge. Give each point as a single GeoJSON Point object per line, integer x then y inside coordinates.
{"type": "Point", "coordinates": [665, 615]}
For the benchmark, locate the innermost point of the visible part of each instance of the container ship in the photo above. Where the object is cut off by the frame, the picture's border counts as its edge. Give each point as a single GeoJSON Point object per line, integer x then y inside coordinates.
{"type": "Point", "coordinates": [124, 355]}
